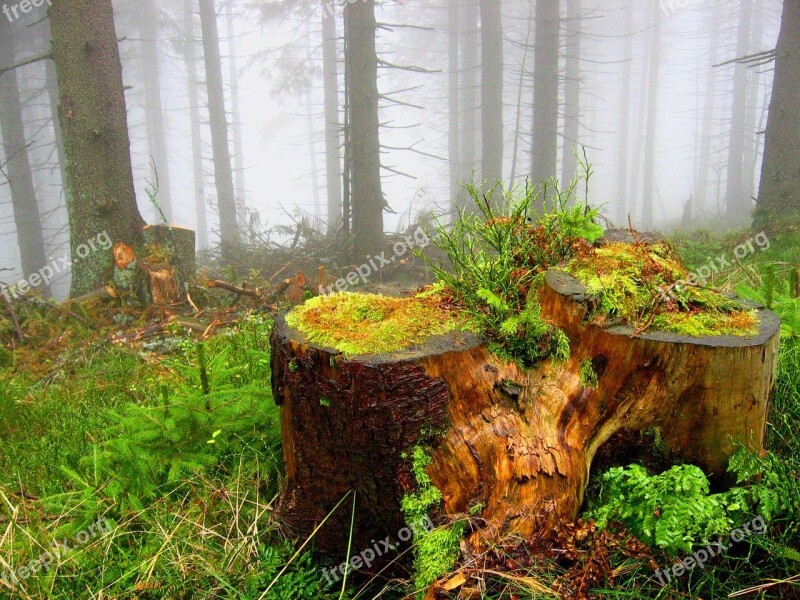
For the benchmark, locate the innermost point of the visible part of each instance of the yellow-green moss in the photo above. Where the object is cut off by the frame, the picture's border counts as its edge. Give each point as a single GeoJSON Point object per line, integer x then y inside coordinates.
{"type": "Point", "coordinates": [371, 324]}
{"type": "Point", "coordinates": [637, 283]}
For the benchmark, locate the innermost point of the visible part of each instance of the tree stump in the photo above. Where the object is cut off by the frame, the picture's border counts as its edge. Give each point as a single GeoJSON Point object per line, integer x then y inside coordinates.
{"type": "Point", "coordinates": [519, 443]}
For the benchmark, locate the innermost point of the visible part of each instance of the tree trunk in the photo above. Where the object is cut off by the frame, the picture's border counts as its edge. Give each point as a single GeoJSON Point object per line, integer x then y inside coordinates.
{"type": "Point", "coordinates": [544, 156]}
{"type": "Point", "coordinates": [190, 57]}
{"type": "Point", "coordinates": [626, 98]}
{"type": "Point", "coordinates": [491, 91]}
{"type": "Point", "coordinates": [333, 134]}
{"type": "Point", "coordinates": [17, 168]}
{"type": "Point", "coordinates": [648, 196]}
{"type": "Point", "coordinates": [779, 195]}
{"type": "Point", "coordinates": [223, 176]}
{"type": "Point", "coordinates": [469, 93]}
{"type": "Point", "coordinates": [99, 181]}
{"type": "Point", "coordinates": [154, 107]}
{"type": "Point", "coordinates": [240, 188]}
{"type": "Point", "coordinates": [751, 122]}
{"type": "Point", "coordinates": [454, 106]}
{"type": "Point", "coordinates": [519, 443]}
{"type": "Point", "coordinates": [361, 66]}
{"type": "Point", "coordinates": [572, 93]}
{"type": "Point", "coordinates": [739, 204]}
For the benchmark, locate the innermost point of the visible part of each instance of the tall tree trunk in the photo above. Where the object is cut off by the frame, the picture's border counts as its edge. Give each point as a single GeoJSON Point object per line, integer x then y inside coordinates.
{"type": "Point", "coordinates": [361, 67]}
{"type": "Point", "coordinates": [454, 107]}
{"type": "Point", "coordinates": [751, 144]}
{"type": "Point", "coordinates": [469, 91]}
{"type": "Point", "coordinates": [154, 108]}
{"type": "Point", "coordinates": [779, 195]}
{"type": "Point", "coordinates": [572, 92]}
{"type": "Point", "coordinates": [333, 134]}
{"type": "Point", "coordinates": [223, 176]}
{"type": "Point", "coordinates": [18, 168]}
{"type": "Point", "coordinates": [491, 91]}
{"type": "Point", "coordinates": [240, 190]}
{"type": "Point", "coordinates": [99, 181]}
{"type": "Point", "coordinates": [624, 121]}
{"type": "Point", "coordinates": [704, 162]}
{"type": "Point", "coordinates": [739, 204]}
{"type": "Point", "coordinates": [544, 155]}
{"type": "Point", "coordinates": [520, 90]}
{"type": "Point", "coordinates": [193, 92]}
{"type": "Point", "coordinates": [652, 120]}
{"type": "Point", "coordinates": [312, 157]}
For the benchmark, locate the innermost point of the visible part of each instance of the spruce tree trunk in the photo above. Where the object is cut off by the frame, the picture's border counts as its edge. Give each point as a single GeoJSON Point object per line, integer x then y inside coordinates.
{"type": "Point", "coordinates": [454, 110]}
{"type": "Point", "coordinates": [739, 203]}
{"type": "Point", "coordinates": [361, 65]}
{"type": "Point", "coordinates": [193, 92]}
{"type": "Point", "coordinates": [240, 188]}
{"type": "Point", "coordinates": [18, 169]}
{"type": "Point", "coordinates": [572, 93]}
{"type": "Point", "coordinates": [544, 156]}
{"type": "Point", "coordinates": [333, 133]}
{"type": "Point", "coordinates": [648, 196]}
{"type": "Point", "coordinates": [623, 147]}
{"type": "Point", "coordinates": [154, 108]}
{"type": "Point", "coordinates": [223, 175]}
{"type": "Point", "coordinates": [779, 195]}
{"type": "Point", "coordinates": [517, 443]}
{"type": "Point", "coordinates": [470, 42]}
{"type": "Point", "coordinates": [491, 91]}
{"type": "Point", "coordinates": [99, 182]}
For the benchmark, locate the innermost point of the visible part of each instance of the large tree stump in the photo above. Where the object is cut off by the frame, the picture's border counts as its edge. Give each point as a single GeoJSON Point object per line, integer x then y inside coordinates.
{"type": "Point", "coordinates": [518, 442]}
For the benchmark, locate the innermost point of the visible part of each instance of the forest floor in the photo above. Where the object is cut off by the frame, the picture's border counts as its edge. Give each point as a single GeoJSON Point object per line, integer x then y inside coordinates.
{"type": "Point", "coordinates": [140, 458]}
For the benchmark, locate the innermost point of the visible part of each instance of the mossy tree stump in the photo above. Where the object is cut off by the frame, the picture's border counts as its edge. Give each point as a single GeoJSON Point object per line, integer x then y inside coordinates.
{"type": "Point", "coordinates": [517, 442]}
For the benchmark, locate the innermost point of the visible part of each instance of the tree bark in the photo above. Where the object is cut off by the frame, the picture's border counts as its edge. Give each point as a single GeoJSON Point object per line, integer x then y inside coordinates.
{"type": "Point", "coordinates": [739, 204]}
{"type": "Point", "coordinates": [470, 130]}
{"type": "Point", "coordinates": [544, 155]}
{"type": "Point", "coordinates": [333, 133]}
{"type": "Point", "coordinates": [454, 105]}
{"type": "Point", "coordinates": [572, 93]}
{"type": "Point", "coordinates": [779, 195]}
{"type": "Point", "coordinates": [99, 182]}
{"type": "Point", "coordinates": [18, 168]}
{"type": "Point", "coordinates": [223, 175]}
{"type": "Point", "coordinates": [361, 66]}
{"type": "Point", "coordinates": [518, 442]}
{"type": "Point", "coordinates": [649, 178]}
{"type": "Point", "coordinates": [491, 92]}
{"type": "Point", "coordinates": [623, 147]}
{"type": "Point", "coordinates": [240, 187]}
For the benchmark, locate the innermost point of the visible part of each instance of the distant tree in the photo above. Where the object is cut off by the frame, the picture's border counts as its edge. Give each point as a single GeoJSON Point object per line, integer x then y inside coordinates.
{"type": "Point", "coordinates": [17, 166]}
{"type": "Point", "coordinates": [624, 121]}
{"type": "Point", "coordinates": [572, 91]}
{"type": "Point", "coordinates": [147, 17]}
{"type": "Point", "coordinates": [454, 110]}
{"type": "Point", "coordinates": [240, 187]}
{"type": "Point", "coordinates": [779, 195]}
{"type": "Point", "coordinates": [469, 103]}
{"type": "Point", "coordinates": [223, 174]}
{"type": "Point", "coordinates": [491, 91]}
{"type": "Point", "coordinates": [99, 181]}
{"type": "Point", "coordinates": [333, 133]}
{"type": "Point", "coordinates": [544, 155]}
{"type": "Point", "coordinates": [361, 75]}
{"type": "Point", "coordinates": [739, 202]}
{"type": "Point", "coordinates": [648, 195]}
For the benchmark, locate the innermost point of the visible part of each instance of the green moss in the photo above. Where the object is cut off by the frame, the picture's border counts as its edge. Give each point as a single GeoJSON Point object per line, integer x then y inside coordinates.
{"type": "Point", "coordinates": [587, 374]}
{"type": "Point", "coordinates": [371, 324]}
{"type": "Point", "coordinates": [644, 286]}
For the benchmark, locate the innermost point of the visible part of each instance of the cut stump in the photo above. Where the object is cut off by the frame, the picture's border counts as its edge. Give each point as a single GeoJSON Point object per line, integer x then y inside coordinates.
{"type": "Point", "coordinates": [519, 443]}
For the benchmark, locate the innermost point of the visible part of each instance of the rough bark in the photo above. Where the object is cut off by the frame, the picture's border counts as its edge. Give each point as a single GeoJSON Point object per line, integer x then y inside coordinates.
{"type": "Point", "coordinates": [491, 91]}
{"type": "Point", "coordinates": [544, 155]}
{"type": "Point", "coordinates": [572, 92]}
{"type": "Point", "coordinates": [223, 175]}
{"type": "Point", "coordinates": [361, 66]}
{"type": "Point", "coordinates": [780, 172]}
{"type": "Point", "coordinates": [17, 165]}
{"type": "Point", "coordinates": [333, 134]}
{"type": "Point", "coordinates": [99, 181]}
{"type": "Point", "coordinates": [518, 442]}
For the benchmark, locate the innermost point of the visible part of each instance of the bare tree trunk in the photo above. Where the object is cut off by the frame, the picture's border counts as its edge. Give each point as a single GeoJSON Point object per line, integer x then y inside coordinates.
{"type": "Point", "coordinates": [333, 134]}
{"type": "Point", "coordinates": [469, 91]}
{"type": "Point", "coordinates": [312, 157]}
{"type": "Point", "coordinates": [520, 89]}
{"type": "Point", "coordinates": [701, 189]}
{"type": "Point", "coordinates": [572, 92]}
{"type": "Point", "coordinates": [361, 67]}
{"type": "Point", "coordinates": [652, 120]}
{"type": "Point", "coordinates": [544, 156]}
{"type": "Point", "coordinates": [18, 169]}
{"type": "Point", "coordinates": [751, 124]}
{"type": "Point", "coordinates": [99, 181]}
{"type": "Point", "coordinates": [240, 189]}
{"type": "Point", "coordinates": [454, 108]}
{"type": "Point", "coordinates": [624, 121]}
{"type": "Point", "coordinates": [779, 196]}
{"type": "Point", "coordinates": [739, 204]}
{"type": "Point", "coordinates": [223, 176]}
{"type": "Point", "coordinates": [193, 92]}
{"type": "Point", "coordinates": [491, 91]}
{"type": "Point", "coordinates": [154, 115]}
